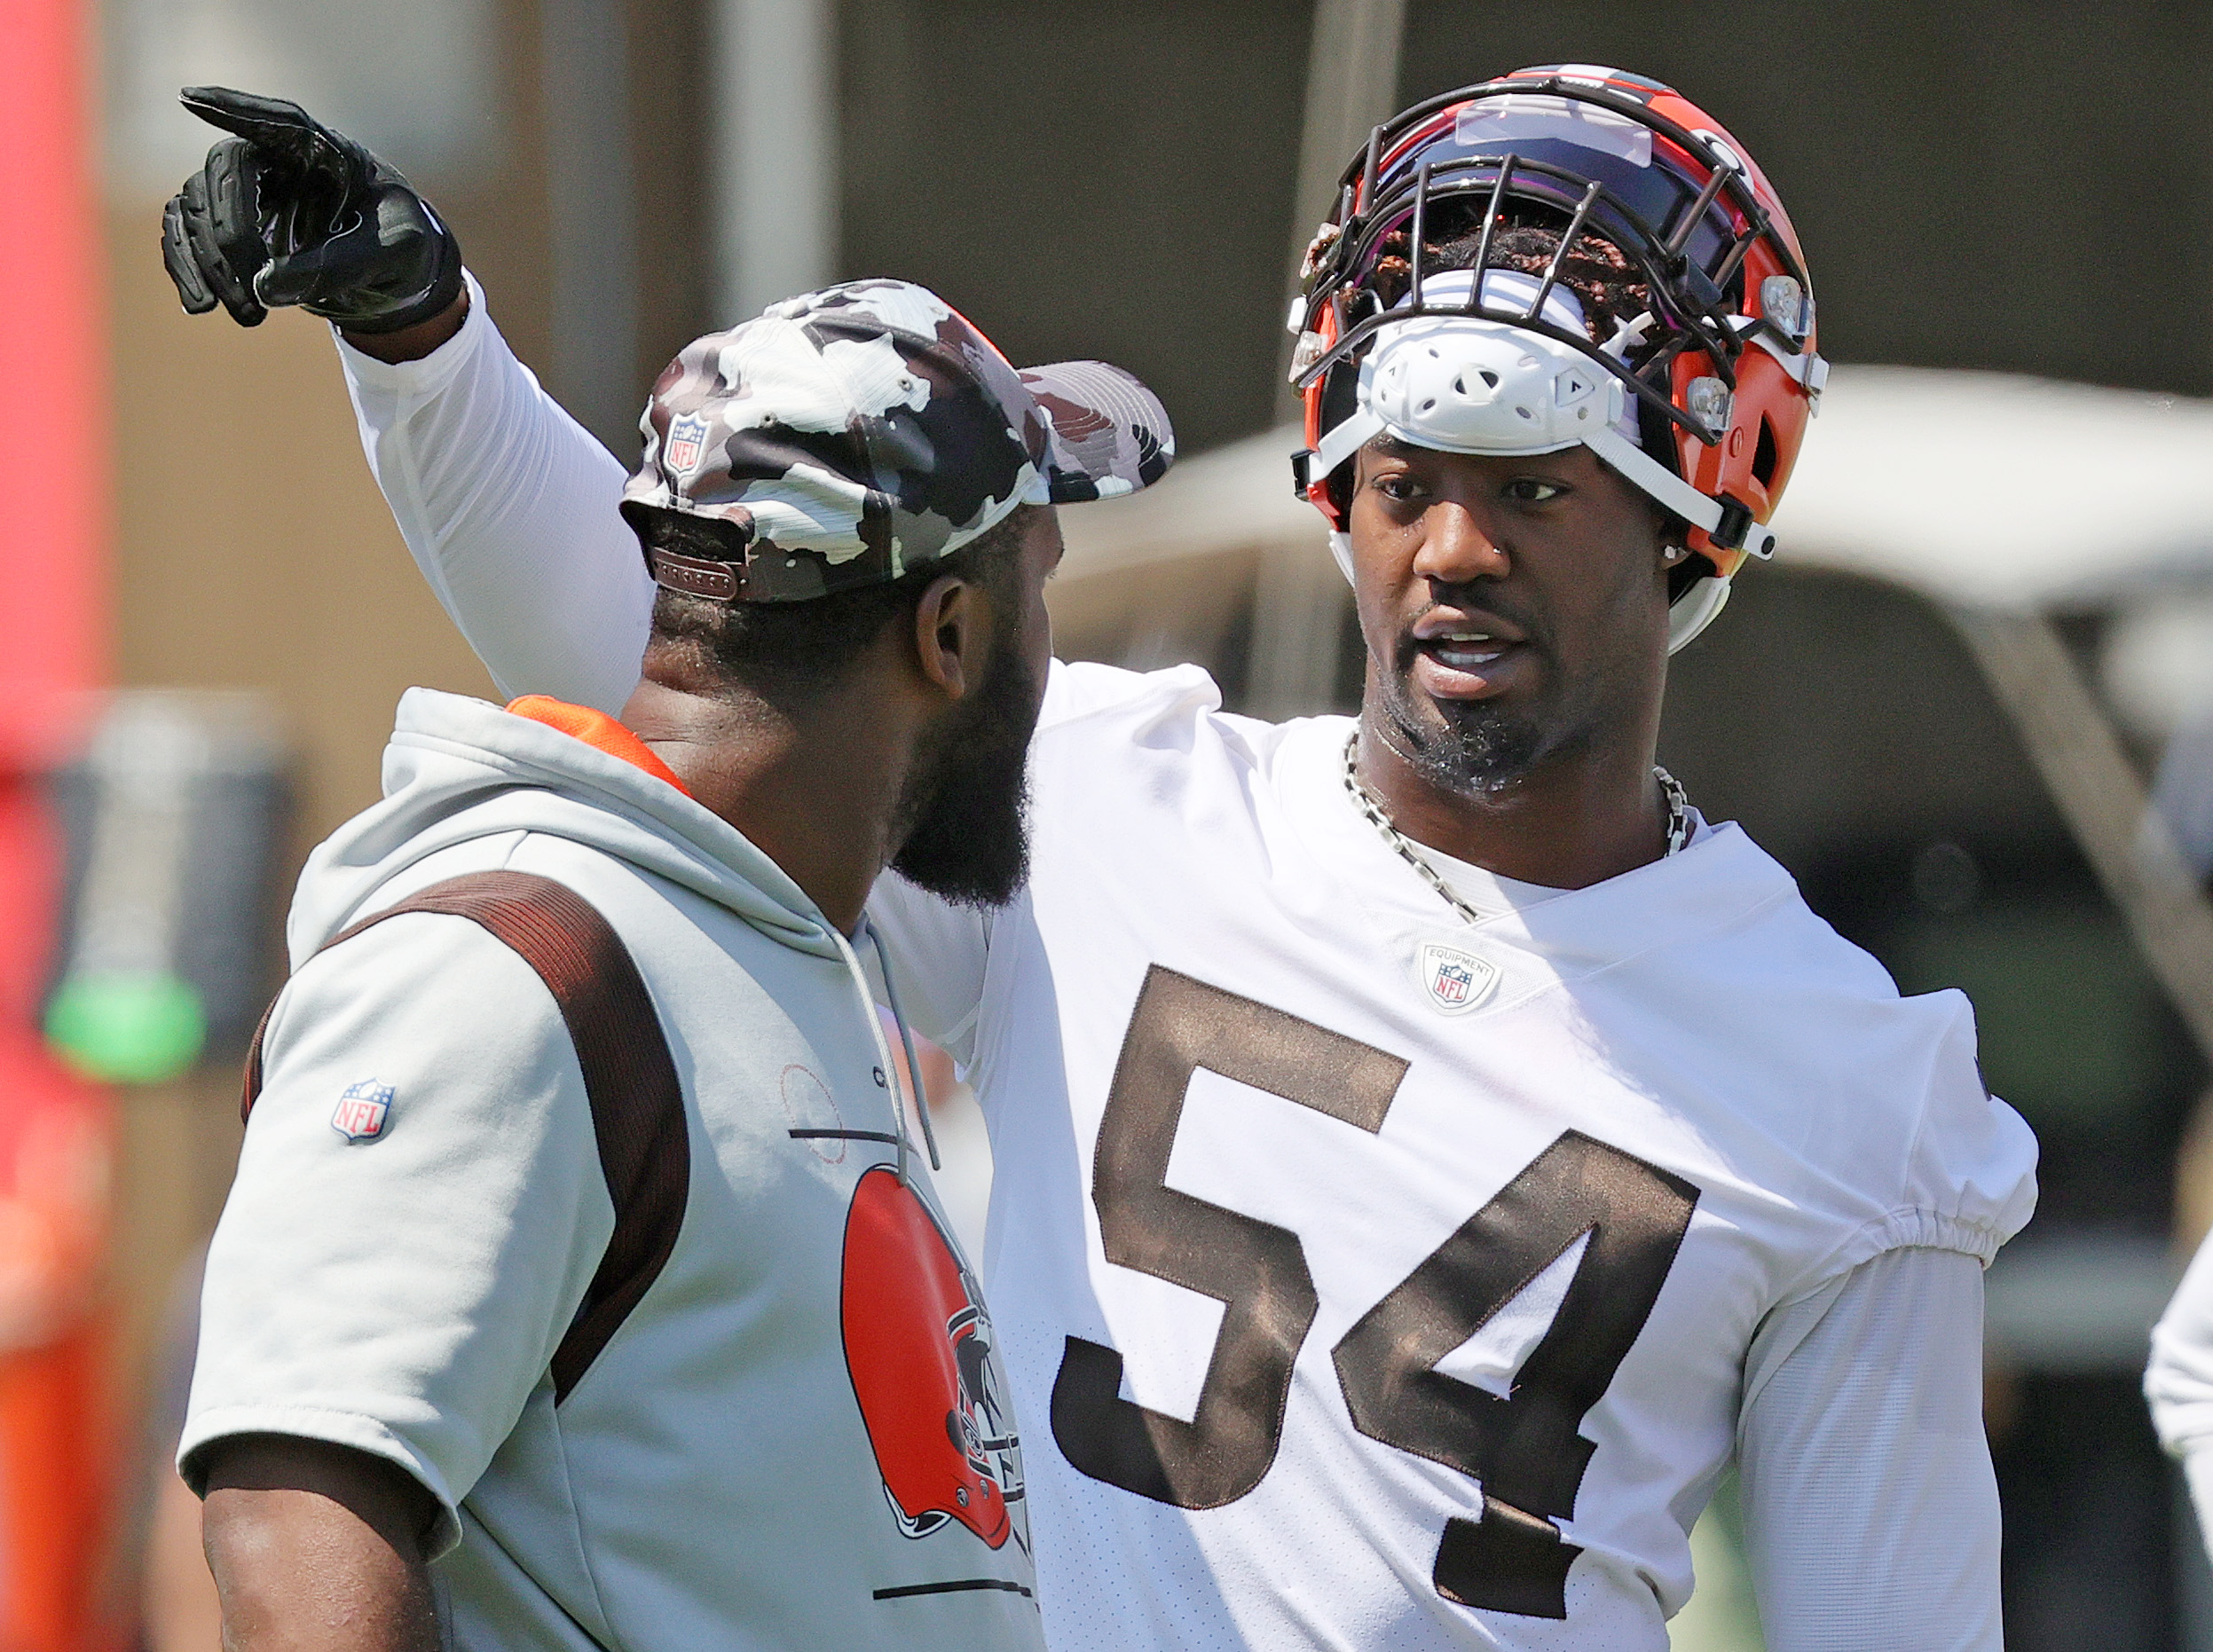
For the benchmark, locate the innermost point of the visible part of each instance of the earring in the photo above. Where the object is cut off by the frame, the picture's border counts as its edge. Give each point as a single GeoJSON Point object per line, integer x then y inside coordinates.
{"type": "Point", "coordinates": [1675, 553]}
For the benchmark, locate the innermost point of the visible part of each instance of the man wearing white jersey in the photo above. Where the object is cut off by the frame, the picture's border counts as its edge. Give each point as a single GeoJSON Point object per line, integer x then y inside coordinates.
{"type": "Point", "coordinates": [1428, 1152]}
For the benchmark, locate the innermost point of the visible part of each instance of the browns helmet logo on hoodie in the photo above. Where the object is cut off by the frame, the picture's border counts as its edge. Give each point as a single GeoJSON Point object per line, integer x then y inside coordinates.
{"type": "Point", "coordinates": [919, 1347]}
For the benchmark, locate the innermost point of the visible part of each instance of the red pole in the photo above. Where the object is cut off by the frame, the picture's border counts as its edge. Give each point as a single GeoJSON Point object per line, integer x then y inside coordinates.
{"type": "Point", "coordinates": [53, 379]}
{"type": "Point", "coordinates": [56, 1450]}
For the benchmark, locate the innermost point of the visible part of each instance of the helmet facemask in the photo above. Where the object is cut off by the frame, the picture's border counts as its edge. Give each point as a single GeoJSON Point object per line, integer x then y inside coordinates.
{"type": "Point", "coordinates": [1685, 359]}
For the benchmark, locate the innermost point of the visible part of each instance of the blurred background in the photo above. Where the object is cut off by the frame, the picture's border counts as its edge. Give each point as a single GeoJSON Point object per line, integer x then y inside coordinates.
{"type": "Point", "coordinates": [1970, 704]}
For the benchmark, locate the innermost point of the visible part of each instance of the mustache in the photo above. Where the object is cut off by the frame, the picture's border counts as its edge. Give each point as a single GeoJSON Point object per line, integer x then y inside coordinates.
{"type": "Point", "coordinates": [1473, 599]}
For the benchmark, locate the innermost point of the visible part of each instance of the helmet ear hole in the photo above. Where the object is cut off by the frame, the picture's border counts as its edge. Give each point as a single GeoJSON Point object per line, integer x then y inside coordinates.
{"type": "Point", "coordinates": [1340, 489]}
{"type": "Point", "coordinates": [1340, 399]}
{"type": "Point", "coordinates": [1684, 575]}
{"type": "Point", "coordinates": [1766, 456]}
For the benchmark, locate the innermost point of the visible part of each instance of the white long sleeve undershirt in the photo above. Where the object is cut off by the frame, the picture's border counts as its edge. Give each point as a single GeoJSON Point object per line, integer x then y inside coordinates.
{"type": "Point", "coordinates": [1870, 1506]}
{"type": "Point", "coordinates": [508, 508]}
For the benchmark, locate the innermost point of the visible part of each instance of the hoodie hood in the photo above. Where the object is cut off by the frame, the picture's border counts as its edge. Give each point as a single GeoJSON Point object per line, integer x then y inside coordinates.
{"type": "Point", "coordinates": [460, 768]}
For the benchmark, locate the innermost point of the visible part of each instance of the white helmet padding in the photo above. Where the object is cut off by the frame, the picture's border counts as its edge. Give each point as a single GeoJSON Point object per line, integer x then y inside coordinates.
{"type": "Point", "coordinates": [1469, 385]}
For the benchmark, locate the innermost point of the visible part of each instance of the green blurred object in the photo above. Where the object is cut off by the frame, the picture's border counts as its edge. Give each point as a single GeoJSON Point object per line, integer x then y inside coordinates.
{"type": "Point", "coordinates": [127, 1029]}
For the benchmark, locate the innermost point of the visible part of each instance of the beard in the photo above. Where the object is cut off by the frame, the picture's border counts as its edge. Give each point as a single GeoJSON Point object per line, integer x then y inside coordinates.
{"type": "Point", "coordinates": [966, 804]}
{"type": "Point", "coordinates": [1466, 747]}
{"type": "Point", "coordinates": [1471, 749]}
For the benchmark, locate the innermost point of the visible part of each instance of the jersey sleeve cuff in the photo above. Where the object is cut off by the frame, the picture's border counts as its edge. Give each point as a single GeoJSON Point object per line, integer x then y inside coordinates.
{"type": "Point", "coordinates": [334, 1428]}
{"type": "Point", "coordinates": [427, 374]}
{"type": "Point", "coordinates": [1930, 1230]}
{"type": "Point", "coordinates": [1907, 1229]}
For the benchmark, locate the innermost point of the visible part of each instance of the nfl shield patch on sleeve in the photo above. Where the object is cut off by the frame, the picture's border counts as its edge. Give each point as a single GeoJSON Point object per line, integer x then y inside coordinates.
{"type": "Point", "coordinates": [362, 1111]}
{"type": "Point", "coordinates": [1455, 981]}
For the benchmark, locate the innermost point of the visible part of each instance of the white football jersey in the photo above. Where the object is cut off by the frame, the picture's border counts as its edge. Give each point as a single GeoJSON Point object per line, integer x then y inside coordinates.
{"type": "Point", "coordinates": [1370, 1278]}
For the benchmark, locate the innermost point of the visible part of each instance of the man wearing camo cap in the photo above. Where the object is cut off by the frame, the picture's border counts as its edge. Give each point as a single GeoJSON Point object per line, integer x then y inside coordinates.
{"type": "Point", "coordinates": [492, 1353]}
{"type": "Point", "coordinates": [893, 444]}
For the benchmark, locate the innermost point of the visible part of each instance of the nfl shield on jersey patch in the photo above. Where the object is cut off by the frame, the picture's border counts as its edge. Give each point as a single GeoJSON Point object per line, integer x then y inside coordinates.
{"type": "Point", "coordinates": [362, 1111]}
{"type": "Point", "coordinates": [686, 437]}
{"type": "Point", "coordinates": [1455, 981]}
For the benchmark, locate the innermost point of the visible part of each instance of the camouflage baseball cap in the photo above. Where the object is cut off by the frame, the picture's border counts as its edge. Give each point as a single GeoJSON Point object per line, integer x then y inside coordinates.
{"type": "Point", "coordinates": [857, 433]}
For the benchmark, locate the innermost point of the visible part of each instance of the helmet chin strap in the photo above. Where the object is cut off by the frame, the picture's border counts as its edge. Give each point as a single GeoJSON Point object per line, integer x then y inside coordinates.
{"type": "Point", "coordinates": [1645, 473]}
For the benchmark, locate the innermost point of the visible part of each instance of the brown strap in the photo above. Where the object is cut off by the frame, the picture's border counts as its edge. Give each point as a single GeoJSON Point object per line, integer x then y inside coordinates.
{"type": "Point", "coordinates": [637, 1103]}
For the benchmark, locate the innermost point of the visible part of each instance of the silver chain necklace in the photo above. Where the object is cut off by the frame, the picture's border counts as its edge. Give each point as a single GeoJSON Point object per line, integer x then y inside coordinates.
{"type": "Point", "coordinates": [1678, 826]}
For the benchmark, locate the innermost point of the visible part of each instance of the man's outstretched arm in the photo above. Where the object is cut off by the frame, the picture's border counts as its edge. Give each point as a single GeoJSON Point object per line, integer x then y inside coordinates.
{"type": "Point", "coordinates": [411, 343]}
{"type": "Point", "coordinates": [317, 1548]}
{"type": "Point", "coordinates": [506, 504]}
{"type": "Point", "coordinates": [508, 507]}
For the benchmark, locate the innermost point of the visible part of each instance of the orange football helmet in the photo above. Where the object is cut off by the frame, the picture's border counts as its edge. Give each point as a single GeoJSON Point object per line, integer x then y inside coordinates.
{"type": "Point", "coordinates": [1721, 378]}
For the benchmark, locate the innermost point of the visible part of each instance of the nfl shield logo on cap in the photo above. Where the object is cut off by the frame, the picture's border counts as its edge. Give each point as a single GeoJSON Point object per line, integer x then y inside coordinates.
{"type": "Point", "coordinates": [1454, 980]}
{"type": "Point", "coordinates": [686, 436]}
{"type": "Point", "coordinates": [362, 1111]}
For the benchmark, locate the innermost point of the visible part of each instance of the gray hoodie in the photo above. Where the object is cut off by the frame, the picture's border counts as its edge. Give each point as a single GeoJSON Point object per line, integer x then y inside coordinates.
{"type": "Point", "coordinates": [797, 1437]}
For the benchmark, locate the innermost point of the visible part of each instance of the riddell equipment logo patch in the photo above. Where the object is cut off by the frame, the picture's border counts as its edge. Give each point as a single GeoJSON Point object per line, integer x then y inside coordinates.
{"type": "Point", "coordinates": [686, 437]}
{"type": "Point", "coordinates": [1455, 981]}
{"type": "Point", "coordinates": [362, 1111]}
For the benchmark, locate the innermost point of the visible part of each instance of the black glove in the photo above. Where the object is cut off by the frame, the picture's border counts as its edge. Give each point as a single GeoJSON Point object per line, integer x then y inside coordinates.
{"type": "Point", "coordinates": [289, 212]}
